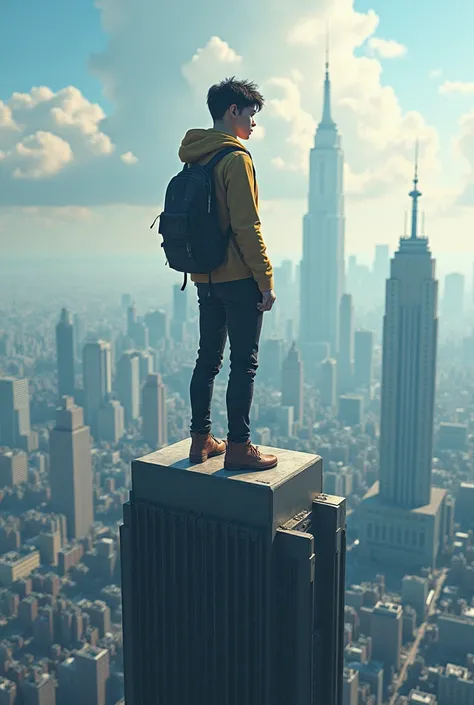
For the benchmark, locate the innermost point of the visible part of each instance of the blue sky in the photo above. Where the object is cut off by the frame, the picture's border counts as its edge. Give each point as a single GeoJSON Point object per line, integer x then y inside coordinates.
{"type": "Point", "coordinates": [73, 177]}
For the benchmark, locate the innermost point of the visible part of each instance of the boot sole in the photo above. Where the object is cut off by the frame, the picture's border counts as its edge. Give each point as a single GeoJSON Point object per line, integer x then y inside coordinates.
{"type": "Point", "coordinates": [198, 459]}
{"type": "Point", "coordinates": [228, 466]}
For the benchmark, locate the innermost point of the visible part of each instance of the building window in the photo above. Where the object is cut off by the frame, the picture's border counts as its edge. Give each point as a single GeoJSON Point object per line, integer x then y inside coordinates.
{"type": "Point", "coordinates": [422, 539]}
{"type": "Point", "coordinates": [369, 530]}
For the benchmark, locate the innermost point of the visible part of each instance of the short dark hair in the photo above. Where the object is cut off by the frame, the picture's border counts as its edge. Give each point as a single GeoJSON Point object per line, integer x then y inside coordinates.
{"type": "Point", "coordinates": [229, 92]}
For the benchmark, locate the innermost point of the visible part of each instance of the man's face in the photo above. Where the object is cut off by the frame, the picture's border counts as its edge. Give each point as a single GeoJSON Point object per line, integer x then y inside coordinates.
{"type": "Point", "coordinates": [244, 121]}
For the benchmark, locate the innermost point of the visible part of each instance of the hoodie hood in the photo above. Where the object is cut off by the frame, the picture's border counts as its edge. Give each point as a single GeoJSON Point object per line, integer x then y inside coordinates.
{"type": "Point", "coordinates": [202, 144]}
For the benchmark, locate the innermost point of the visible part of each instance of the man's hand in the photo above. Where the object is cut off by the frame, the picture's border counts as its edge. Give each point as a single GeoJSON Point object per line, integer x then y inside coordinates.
{"type": "Point", "coordinates": [268, 299]}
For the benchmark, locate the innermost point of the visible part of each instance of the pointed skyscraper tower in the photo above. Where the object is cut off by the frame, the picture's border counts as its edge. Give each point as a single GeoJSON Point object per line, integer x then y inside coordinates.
{"type": "Point", "coordinates": [404, 518]}
{"type": "Point", "coordinates": [322, 266]}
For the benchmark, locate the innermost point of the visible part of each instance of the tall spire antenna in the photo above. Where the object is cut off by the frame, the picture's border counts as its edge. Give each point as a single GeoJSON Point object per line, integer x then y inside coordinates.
{"type": "Point", "coordinates": [327, 49]}
{"type": "Point", "coordinates": [327, 117]}
{"type": "Point", "coordinates": [415, 195]}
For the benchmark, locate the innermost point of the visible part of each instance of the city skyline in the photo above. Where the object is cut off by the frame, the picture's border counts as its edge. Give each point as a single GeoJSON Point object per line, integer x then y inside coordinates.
{"type": "Point", "coordinates": [345, 574]}
{"type": "Point", "coordinates": [389, 90]}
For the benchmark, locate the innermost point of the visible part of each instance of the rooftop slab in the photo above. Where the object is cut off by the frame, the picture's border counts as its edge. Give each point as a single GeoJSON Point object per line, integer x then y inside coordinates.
{"type": "Point", "coordinates": [166, 477]}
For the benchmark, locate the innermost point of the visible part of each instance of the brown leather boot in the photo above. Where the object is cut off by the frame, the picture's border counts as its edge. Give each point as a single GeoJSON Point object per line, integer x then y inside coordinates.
{"type": "Point", "coordinates": [205, 446]}
{"type": "Point", "coordinates": [245, 456]}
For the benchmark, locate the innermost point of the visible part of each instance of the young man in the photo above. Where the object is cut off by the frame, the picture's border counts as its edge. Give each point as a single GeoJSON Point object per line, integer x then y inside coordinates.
{"type": "Point", "coordinates": [242, 287]}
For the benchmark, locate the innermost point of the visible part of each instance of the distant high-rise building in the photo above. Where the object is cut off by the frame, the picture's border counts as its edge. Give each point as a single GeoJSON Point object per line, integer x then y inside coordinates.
{"type": "Point", "coordinates": [131, 320]}
{"type": "Point", "coordinates": [85, 677]}
{"type": "Point", "coordinates": [159, 327]}
{"type": "Point", "coordinates": [111, 421]}
{"type": "Point", "coordinates": [15, 429]}
{"type": "Point", "coordinates": [351, 408]}
{"type": "Point", "coordinates": [154, 416]}
{"type": "Point", "coordinates": [453, 299]}
{"type": "Point", "coordinates": [403, 518]}
{"type": "Point", "coordinates": [255, 611]}
{"type": "Point", "coordinates": [345, 358]}
{"type": "Point", "coordinates": [39, 690]}
{"type": "Point", "coordinates": [351, 687]}
{"type": "Point", "coordinates": [292, 382]}
{"type": "Point", "coordinates": [386, 627]}
{"type": "Point", "coordinates": [363, 359]}
{"type": "Point", "coordinates": [13, 468]}
{"type": "Point", "coordinates": [272, 360]}
{"type": "Point", "coordinates": [126, 301]}
{"type": "Point", "coordinates": [97, 371]}
{"type": "Point", "coordinates": [71, 469]}
{"type": "Point", "coordinates": [146, 363]}
{"type": "Point", "coordinates": [79, 334]}
{"type": "Point", "coordinates": [180, 313]}
{"type": "Point", "coordinates": [128, 385]}
{"type": "Point", "coordinates": [137, 330]}
{"type": "Point", "coordinates": [327, 386]}
{"type": "Point", "coordinates": [65, 353]}
{"type": "Point", "coordinates": [322, 264]}
{"type": "Point", "coordinates": [8, 692]}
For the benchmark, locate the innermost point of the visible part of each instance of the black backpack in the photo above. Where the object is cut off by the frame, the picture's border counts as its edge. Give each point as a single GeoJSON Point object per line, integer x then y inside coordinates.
{"type": "Point", "coordinates": [192, 239]}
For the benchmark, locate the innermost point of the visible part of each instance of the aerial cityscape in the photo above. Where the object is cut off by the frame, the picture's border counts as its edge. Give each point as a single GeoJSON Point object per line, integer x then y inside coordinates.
{"type": "Point", "coordinates": [365, 391]}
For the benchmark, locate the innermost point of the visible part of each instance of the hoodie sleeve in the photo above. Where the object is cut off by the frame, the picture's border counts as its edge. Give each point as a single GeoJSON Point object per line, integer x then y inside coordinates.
{"type": "Point", "coordinates": [244, 218]}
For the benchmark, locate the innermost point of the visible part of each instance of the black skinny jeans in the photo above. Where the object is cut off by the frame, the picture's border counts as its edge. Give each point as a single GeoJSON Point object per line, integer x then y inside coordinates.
{"type": "Point", "coordinates": [229, 308]}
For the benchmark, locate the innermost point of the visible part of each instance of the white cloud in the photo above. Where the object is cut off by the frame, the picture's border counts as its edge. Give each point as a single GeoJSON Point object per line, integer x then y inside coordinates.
{"type": "Point", "coordinates": [209, 63]}
{"type": "Point", "coordinates": [378, 137]}
{"type": "Point", "coordinates": [6, 118]}
{"type": "Point", "coordinates": [462, 87]}
{"type": "Point", "coordinates": [436, 73]}
{"type": "Point", "coordinates": [387, 48]}
{"type": "Point", "coordinates": [47, 131]}
{"type": "Point", "coordinates": [129, 158]}
{"type": "Point", "coordinates": [38, 156]}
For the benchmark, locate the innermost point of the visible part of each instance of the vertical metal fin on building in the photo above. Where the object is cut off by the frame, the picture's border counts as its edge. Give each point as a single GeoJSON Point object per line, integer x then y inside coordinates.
{"type": "Point", "coordinates": [199, 611]}
{"type": "Point", "coordinates": [292, 620]}
{"type": "Point", "coordinates": [328, 526]}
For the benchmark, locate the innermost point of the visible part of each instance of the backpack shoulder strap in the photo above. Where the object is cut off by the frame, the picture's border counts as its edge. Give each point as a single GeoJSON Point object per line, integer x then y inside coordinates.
{"type": "Point", "coordinates": [223, 153]}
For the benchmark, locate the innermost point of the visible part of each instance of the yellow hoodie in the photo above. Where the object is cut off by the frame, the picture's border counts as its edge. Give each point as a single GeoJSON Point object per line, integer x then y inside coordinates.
{"type": "Point", "coordinates": [237, 206]}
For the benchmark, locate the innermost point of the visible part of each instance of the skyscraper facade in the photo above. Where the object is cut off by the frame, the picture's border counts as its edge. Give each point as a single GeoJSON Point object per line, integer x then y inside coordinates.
{"type": "Point", "coordinates": [363, 360]}
{"type": "Point", "coordinates": [15, 429]}
{"type": "Point", "coordinates": [71, 469]}
{"type": "Point", "coordinates": [128, 385]}
{"type": "Point", "coordinates": [409, 371]}
{"type": "Point", "coordinates": [322, 265]}
{"type": "Point", "coordinates": [154, 417]}
{"type": "Point", "coordinates": [65, 353]}
{"type": "Point", "coordinates": [292, 382]}
{"type": "Point", "coordinates": [233, 588]}
{"type": "Point", "coordinates": [453, 299]}
{"type": "Point", "coordinates": [403, 517]}
{"type": "Point", "coordinates": [345, 358]}
{"type": "Point", "coordinates": [97, 373]}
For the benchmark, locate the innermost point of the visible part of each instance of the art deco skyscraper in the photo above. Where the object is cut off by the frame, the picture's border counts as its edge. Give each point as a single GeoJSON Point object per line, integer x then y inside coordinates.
{"type": "Point", "coordinates": [97, 381]}
{"type": "Point", "coordinates": [233, 584]}
{"type": "Point", "coordinates": [322, 265]}
{"type": "Point", "coordinates": [65, 354]}
{"type": "Point", "coordinates": [292, 382]}
{"type": "Point", "coordinates": [154, 417]}
{"type": "Point", "coordinates": [71, 469]}
{"type": "Point", "coordinates": [409, 370]}
{"type": "Point", "coordinates": [403, 519]}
